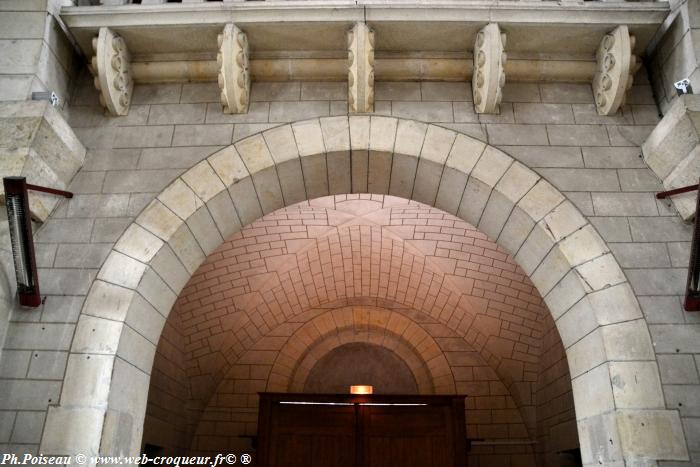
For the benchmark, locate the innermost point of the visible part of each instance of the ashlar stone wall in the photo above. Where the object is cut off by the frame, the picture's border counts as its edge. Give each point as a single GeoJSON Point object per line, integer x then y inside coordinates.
{"type": "Point", "coordinates": [550, 127]}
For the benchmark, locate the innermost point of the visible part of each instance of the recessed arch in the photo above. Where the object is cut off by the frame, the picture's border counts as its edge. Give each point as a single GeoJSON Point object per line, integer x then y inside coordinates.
{"type": "Point", "coordinates": [594, 308]}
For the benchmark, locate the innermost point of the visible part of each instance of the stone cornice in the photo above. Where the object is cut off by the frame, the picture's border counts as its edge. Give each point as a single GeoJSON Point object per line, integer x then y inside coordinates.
{"type": "Point", "coordinates": [169, 37]}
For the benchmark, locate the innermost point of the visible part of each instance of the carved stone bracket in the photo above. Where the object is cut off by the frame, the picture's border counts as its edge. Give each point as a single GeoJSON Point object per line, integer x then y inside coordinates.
{"type": "Point", "coordinates": [110, 67]}
{"type": "Point", "coordinates": [234, 70]}
{"type": "Point", "coordinates": [614, 71]}
{"type": "Point", "coordinates": [360, 69]}
{"type": "Point", "coordinates": [489, 69]}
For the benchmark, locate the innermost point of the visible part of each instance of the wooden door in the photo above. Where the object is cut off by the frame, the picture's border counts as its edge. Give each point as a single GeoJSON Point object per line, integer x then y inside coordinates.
{"type": "Point", "coordinates": [407, 436]}
{"type": "Point", "coordinates": [313, 436]}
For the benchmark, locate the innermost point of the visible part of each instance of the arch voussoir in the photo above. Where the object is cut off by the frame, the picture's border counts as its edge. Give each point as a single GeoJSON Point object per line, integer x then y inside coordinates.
{"type": "Point", "coordinates": [586, 291]}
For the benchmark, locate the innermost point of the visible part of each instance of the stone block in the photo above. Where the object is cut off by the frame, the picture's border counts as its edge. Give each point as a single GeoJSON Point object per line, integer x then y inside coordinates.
{"type": "Point", "coordinates": [24, 394]}
{"type": "Point", "coordinates": [83, 437]}
{"type": "Point", "coordinates": [122, 270]}
{"type": "Point", "coordinates": [593, 393]}
{"type": "Point", "coordinates": [677, 369]}
{"type": "Point", "coordinates": [403, 175]}
{"type": "Point", "coordinates": [672, 338]}
{"type": "Point", "coordinates": [641, 255]}
{"type": "Point", "coordinates": [148, 137]}
{"type": "Point", "coordinates": [180, 199]}
{"type": "Point", "coordinates": [96, 336]}
{"type": "Point", "coordinates": [115, 205]}
{"type": "Point", "coordinates": [81, 255]}
{"type": "Point", "coordinates": [543, 113]}
{"type": "Point", "coordinates": [546, 156]}
{"type": "Point", "coordinates": [423, 111]}
{"type": "Point", "coordinates": [136, 350]}
{"type": "Point", "coordinates": [655, 434]}
{"type": "Point", "coordinates": [228, 165]}
{"type": "Point", "coordinates": [38, 143]}
{"type": "Point", "coordinates": [15, 363]}
{"type": "Point", "coordinates": [323, 90]}
{"type": "Point", "coordinates": [224, 214]}
{"type": "Point", "coordinates": [378, 171]}
{"type": "Point", "coordinates": [600, 440]}
{"type": "Point", "coordinates": [289, 91]}
{"type": "Point", "coordinates": [283, 112]}
{"type": "Point", "coordinates": [685, 398]}
{"type": "Point", "coordinates": [639, 180]}
{"type": "Point", "coordinates": [171, 114]}
{"type": "Point", "coordinates": [586, 354]}
{"type": "Point", "coordinates": [138, 181]}
{"type": "Point", "coordinates": [658, 281]}
{"type": "Point", "coordinates": [203, 181]}
{"type": "Point", "coordinates": [517, 135]}
{"type": "Point", "coordinates": [551, 270]}
{"type": "Point", "coordinates": [186, 249]}
{"type": "Point", "coordinates": [157, 93]}
{"type": "Point", "coordinates": [578, 135]}
{"type": "Point", "coordinates": [200, 92]}
{"type": "Point", "coordinates": [397, 91]}
{"type": "Point", "coordinates": [28, 427]}
{"type": "Point", "coordinates": [437, 91]}
{"type": "Point", "coordinates": [476, 195]}
{"type": "Point", "coordinates": [612, 158]}
{"type": "Point", "coordinates": [309, 137]}
{"type": "Point", "coordinates": [650, 229]}
{"type": "Point", "coordinates": [291, 181]}
{"type": "Point", "coordinates": [139, 243]}
{"type": "Point", "coordinates": [521, 92]}
{"type": "Point", "coordinates": [601, 272]}
{"type": "Point", "coordinates": [452, 183]}
{"type": "Point", "coordinates": [246, 201]}
{"type": "Point", "coordinates": [47, 365]}
{"type": "Point", "coordinates": [515, 231]}
{"type": "Point", "coordinates": [170, 269]}
{"type": "Point", "coordinates": [157, 293]}
{"type": "Point", "coordinates": [159, 220]}
{"type": "Point", "coordinates": [636, 385]}
{"type": "Point", "coordinates": [624, 204]}
{"type": "Point", "coordinates": [540, 200]}
{"type": "Point", "coordinates": [204, 230]}
{"type": "Point", "coordinates": [534, 248]}
{"type": "Point", "coordinates": [359, 163]}
{"type": "Point", "coordinates": [38, 336]}
{"type": "Point", "coordinates": [315, 169]}
{"type": "Point", "coordinates": [563, 220]}
{"type": "Point", "coordinates": [495, 215]}
{"type": "Point", "coordinates": [570, 93]}
{"type": "Point", "coordinates": [201, 135]}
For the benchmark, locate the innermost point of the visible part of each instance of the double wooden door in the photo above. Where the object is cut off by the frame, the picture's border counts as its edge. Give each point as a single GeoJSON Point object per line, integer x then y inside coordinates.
{"type": "Point", "coordinates": [298, 430]}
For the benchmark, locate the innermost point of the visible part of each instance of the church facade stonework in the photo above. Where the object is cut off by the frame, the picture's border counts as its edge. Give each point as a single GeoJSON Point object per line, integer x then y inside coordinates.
{"type": "Point", "coordinates": [354, 200]}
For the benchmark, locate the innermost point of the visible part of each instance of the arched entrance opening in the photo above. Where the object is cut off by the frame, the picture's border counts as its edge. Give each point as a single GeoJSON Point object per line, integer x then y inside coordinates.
{"type": "Point", "coordinates": [362, 289]}
{"type": "Point", "coordinates": [614, 377]}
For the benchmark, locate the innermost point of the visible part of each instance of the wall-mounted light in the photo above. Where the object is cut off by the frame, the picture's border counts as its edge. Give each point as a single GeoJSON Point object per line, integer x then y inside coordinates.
{"type": "Point", "coordinates": [361, 389]}
{"type": "Point", "coordinates": [20, 224]}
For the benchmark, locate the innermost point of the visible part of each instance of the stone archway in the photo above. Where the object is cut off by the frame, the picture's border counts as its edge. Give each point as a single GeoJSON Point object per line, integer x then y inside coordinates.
{"type": "Point", "coordinates": [617, 392]}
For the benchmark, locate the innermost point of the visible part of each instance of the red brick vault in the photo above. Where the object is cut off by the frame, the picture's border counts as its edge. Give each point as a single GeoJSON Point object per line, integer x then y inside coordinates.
{"type": "Point", "coordinates": [275, 298]}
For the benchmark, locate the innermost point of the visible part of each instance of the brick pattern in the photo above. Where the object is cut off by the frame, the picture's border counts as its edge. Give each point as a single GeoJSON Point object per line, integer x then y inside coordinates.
{"type": "Point", "coordinates": [244, 300]}
{"type": "Point", "coordinates": [442, 362]}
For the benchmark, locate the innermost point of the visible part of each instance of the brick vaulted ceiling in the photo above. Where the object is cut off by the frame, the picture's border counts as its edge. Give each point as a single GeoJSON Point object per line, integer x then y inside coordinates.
{"type": "Point", "coordinates": [355, 249]}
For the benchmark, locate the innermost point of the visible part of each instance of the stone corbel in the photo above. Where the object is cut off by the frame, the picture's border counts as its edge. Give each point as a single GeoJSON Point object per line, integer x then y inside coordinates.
{"type": "Point", "coordinates": [234, 70]}
{"type": "Point", "coordinates": [360, 69]}
{"type": "Point", "coordinates": [489, 69]}
{"type": "Point", "coordinates": [614, 70]}
{"type": "Point", "coordinates": [110, 67]}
